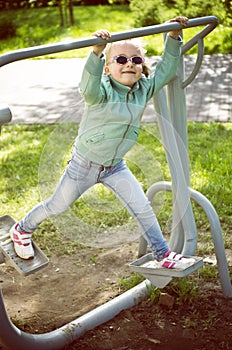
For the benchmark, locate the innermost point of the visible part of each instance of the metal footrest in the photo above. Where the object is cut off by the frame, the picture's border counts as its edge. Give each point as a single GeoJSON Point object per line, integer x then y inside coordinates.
{"type": "Point", "coordinates": [159, 276]}
{"type": "Point", "coordinates": [25, 267]}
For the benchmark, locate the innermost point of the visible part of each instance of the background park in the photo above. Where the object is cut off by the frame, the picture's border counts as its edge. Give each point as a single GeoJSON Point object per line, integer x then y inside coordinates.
{"type": "Point", "coordinates": [80, 277]}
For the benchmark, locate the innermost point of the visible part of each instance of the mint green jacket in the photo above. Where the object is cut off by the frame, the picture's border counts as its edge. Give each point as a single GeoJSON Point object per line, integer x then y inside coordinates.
{"type": "Point", "coordinates": [111, 120]}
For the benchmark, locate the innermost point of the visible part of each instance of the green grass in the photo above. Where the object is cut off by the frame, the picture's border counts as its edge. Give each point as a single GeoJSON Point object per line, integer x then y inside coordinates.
{"type": "Point", "coordinates": [27, 173]}
{"type": "Point", "coordinates": [41, 26]}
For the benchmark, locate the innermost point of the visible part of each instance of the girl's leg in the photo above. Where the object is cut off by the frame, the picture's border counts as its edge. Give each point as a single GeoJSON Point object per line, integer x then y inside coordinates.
{"type": "Point", "coordinates": [126, 187]}
{"type": "Point", "coordinates": [78, 176]}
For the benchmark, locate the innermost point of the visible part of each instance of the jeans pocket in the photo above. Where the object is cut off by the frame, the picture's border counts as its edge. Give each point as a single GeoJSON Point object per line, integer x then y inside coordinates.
{"type": "Point", "coordinates": [78, 168]}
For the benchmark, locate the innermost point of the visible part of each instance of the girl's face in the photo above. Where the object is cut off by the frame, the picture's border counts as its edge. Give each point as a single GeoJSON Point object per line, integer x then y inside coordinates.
{"type": "Point", "coordinates": [129, 73]}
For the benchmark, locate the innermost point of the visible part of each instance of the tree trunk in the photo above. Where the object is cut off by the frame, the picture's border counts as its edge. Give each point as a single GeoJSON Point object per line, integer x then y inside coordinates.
{"type": "Point", "coordinates": [71, 14]}
{"type": "Point", "coordinates": [61, 13]}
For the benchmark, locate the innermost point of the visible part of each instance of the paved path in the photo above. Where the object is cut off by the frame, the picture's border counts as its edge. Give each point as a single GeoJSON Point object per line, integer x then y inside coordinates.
{"type": "Point", "coordinates": [45, 91]}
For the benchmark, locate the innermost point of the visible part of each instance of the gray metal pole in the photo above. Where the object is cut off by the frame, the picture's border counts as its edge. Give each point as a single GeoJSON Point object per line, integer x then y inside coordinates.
{"type": "Point", "coordinates": [210, 21]}
{"type": "Point", "coordinates": [176, 153]}
{"type": "Point", "coordinates": [13, 338]}
{"type": "Point", "coordinates": [5, 115]}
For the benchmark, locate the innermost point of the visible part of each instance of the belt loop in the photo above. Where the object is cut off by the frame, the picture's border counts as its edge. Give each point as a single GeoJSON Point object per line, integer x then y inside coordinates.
{"type": "Point", "coordinates": [103, 167]}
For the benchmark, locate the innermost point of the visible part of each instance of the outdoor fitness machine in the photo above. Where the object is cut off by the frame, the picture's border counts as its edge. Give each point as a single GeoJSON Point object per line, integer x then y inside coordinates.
{"type": "Point", "coordinates": [170, 106]}
{"type": "Point", "coordinates": [8, 255]}
{"type": "Point", "coordinates": [5, 115]}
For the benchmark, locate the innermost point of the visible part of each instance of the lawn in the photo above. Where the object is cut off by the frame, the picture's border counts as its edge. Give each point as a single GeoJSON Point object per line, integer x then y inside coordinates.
{"type": "Point", "coordinates": [29, 173]}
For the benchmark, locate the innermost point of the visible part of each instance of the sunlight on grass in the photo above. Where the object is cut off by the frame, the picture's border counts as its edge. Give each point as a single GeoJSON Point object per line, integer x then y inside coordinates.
{"type": "Point", "coordinates": [211, 168]}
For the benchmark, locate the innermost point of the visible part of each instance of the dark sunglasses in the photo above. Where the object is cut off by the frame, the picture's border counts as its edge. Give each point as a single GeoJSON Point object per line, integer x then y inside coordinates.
{"type": "Point", "coordinates": [123, 59]}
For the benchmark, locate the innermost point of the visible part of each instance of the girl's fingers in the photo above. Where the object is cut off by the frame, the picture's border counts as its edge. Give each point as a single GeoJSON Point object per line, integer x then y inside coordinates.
{"type": "Point", "coordinates": [104, 34]}
{"type": "Point", "coordinates": [181, 19]}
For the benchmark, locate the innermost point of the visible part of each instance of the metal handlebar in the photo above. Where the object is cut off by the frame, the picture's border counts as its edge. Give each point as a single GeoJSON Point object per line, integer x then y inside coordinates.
{"type": "Point", "coordinates": [210, 21]}
{"type": "Point", "coordinates": [5, 116]}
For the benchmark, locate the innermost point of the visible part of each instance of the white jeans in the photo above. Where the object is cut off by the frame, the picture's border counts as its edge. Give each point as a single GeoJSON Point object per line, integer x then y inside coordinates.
{"type": "Point", "coordinates": [79, 175]}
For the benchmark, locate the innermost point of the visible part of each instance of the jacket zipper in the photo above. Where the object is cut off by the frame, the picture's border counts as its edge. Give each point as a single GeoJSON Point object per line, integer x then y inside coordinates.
{"type": "Point", "coordinates": [127, 128]}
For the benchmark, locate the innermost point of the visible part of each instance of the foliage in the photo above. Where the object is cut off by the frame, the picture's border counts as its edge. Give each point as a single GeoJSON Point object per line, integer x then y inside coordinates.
{"type": "Point", "coordinates": [148, 14]}
{"type": "Point", "coordinates": [7, 28]}
{"type": "Point", "coordinates": [198, 8]}
{"type": "Point", "coordinates": [154, 12]}
{"type": "Point", "coordinates": [34, 27]}
{"type": "Point", "coordinates": [131, 281]}
{"type": "Point", "coordinates": [208, 273]}
{"type": "Point", "coordinates": [190, 8]}
{"type": "Point", "coordinates": [185, 289]}
{"type": "Point", "coordinates": [20, 4]}
{"type": "Point", "coordinates": [42, 26]}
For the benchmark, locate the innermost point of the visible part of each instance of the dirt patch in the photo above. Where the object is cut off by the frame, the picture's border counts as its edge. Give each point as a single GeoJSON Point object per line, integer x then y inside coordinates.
{"type": "Point", "coordinates": [66, 289]}
{"type": "Point", "coordinates": [204, 324]}
{"type": "Point", "coordinates": [71, 286]}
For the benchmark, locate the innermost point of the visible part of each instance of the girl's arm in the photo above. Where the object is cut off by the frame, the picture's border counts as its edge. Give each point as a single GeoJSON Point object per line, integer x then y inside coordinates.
{"type": "Point", "coordinates": [90, 85]}
{"type": "Point", "coordinates": [167, 66]}
{"type": "Point", "coordinates": [104, 34]}
{"type": "Point", "coordinates": [176, 33]}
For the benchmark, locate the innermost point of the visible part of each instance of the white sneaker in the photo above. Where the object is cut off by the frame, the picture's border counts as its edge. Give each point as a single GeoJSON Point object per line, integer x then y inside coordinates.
{"type": "Point", "coordinates": [176, 261]}
{"type": "Point", "coordinates": [22, 242]}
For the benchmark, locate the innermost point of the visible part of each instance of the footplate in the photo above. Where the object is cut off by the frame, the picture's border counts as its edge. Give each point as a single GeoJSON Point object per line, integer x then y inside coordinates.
{"type": "Point", "coordinates": [25, 267]}
{"type": "Point", "coordinates": [160, 276]}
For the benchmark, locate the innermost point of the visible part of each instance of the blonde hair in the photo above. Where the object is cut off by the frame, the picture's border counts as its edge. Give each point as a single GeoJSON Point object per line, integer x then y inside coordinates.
{"type": "Point", "coordinates": [137, 43]}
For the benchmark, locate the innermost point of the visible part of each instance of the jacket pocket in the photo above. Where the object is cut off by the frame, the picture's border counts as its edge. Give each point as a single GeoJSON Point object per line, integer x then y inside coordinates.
{"type": "Point", "coordinates": [95, 138]}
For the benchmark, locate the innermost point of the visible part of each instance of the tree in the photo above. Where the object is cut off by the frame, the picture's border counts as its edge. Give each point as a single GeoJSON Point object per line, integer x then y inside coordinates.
{"type": "Point", "coordinates": [66, 13]}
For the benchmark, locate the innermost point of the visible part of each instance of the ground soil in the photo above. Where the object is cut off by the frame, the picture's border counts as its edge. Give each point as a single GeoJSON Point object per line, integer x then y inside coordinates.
{"type": "Point", "coordinates": [72, 285]}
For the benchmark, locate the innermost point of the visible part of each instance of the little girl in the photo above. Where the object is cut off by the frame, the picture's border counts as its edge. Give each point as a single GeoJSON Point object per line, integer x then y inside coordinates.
{"type": "Point", "coordinates": [116, 89]}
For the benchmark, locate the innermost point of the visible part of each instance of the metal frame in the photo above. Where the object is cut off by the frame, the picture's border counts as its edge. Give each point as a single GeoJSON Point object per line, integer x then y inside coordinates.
{"type": "Point", "coordinates": [172, 124]}
{"type": "Point", "coordinates": [210, 22]}
{"type": "Point", "coordinates": [172, 121]}
{"type": "Point", "coordinates": [5, 115]}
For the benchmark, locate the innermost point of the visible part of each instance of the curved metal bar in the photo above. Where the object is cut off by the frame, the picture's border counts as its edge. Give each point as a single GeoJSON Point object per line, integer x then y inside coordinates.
{"type": "Point", "coordinates": [160, 28]}
{"type": "Point", "coordinates": [193, 41]}
{"type": "Point", "coordinates": [58, 339]}
{"type": "Point", "coordinates": [215, 226]}
{"type": "Point", "coordinates": [5, 115]}
{"type": "Point", "coordinates": [197, 39]}
{"type": "Point", "coordinates": [177, 157]}
{"type": "Point", "coordinates": [197, 66]}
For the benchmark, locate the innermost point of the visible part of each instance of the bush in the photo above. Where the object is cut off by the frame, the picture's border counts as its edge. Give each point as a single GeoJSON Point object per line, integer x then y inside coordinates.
{"type": "Point", "coordinates": [199, 8]}
{"type": "Point", "coordinates": [7, 28]}
{"type": "Point", "coordinates": [156, 12]}
{"type": "Point", "coordinates": [148, 14]}
{"type": "Point", "coordinates": [151, 11]}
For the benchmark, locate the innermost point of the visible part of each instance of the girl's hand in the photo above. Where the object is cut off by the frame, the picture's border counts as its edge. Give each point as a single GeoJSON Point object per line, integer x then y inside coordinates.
{"type": "Point", "coordinates": [182, 20]}
{"type": "Point", "coordinates": [104, 34]}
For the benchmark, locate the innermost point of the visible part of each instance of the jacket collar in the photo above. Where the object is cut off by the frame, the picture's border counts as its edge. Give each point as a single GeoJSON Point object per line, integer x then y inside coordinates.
{"type": "Point", "coordinates": [120, 87]}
